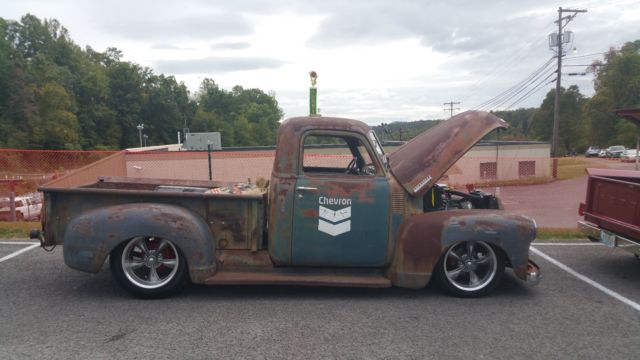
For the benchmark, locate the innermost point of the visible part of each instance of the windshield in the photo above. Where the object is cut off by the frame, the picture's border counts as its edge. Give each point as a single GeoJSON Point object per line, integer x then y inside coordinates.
{"type": "Point", "coordinates": [617, 148]}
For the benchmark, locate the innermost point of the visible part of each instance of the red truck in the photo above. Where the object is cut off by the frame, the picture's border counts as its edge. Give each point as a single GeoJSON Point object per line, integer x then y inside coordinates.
{"type": "Point", "coordinates": [612, 207]}
{"type": "Point", "coordinates": [375, 220]}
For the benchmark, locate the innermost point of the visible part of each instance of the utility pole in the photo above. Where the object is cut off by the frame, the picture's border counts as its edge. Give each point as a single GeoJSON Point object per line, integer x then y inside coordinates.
{"type": "Point", "coordinates": [560, 38]}
{"type": "Point", "coordinates": [450, 109]}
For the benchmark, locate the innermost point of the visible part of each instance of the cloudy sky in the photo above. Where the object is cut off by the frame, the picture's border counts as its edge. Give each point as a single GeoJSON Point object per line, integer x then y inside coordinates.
{"type": "Point", "coordinates": [377, 61]}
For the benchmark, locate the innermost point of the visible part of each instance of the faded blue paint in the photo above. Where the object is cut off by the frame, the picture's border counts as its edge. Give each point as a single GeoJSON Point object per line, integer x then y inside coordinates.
{"type": "Point", "coordinates": [365, 244]}
{"type": "Point", "coordinates": [396, 221]}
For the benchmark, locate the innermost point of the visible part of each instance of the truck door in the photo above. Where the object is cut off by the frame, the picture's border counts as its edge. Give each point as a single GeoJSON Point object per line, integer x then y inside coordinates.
{"type": "Point", "coordinates": [341, 206]}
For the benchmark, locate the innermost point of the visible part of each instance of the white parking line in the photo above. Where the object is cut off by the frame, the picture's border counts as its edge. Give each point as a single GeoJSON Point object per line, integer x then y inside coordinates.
{"type": "Point", "coordinates": [17, 242]}
{"type": "Point", "coordinates": [567, 244]}
{"type": "Point", "coordinates": [596, 285]}
{"type": "Point", "coordinates": [16, 253]}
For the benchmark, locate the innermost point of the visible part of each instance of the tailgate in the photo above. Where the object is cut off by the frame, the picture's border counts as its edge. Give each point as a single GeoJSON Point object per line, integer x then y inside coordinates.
{"type": "Point", "coordinates": [613, 201]}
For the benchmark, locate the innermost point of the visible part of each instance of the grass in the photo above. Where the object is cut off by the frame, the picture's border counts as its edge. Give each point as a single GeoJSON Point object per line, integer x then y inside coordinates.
{"type": "Point", "coordinates": [17, 230]}
{"type": "Point", "coordinates": [559, 234]}
{"type": "Point", "coordinates": [574, 167]}
{"type": "Point", "coordinates": [525, 181]}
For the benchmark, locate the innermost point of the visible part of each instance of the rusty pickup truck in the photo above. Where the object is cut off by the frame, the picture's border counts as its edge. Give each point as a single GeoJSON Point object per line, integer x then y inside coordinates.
{"type": "Point", "coordinates": [376, 220]}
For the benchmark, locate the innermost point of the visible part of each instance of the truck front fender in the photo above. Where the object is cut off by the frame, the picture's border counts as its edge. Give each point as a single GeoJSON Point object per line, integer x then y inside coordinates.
{"type": "Point", "coordinates": [423, 238]}
{"type": "Point", "coordinates": [91, 236]}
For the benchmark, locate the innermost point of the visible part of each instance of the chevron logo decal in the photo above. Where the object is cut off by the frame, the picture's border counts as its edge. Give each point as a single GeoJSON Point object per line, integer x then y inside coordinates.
{"type": "Point", "coordinates": [334, 222]}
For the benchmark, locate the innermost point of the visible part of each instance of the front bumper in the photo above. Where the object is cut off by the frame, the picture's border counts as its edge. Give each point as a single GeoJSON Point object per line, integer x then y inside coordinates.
{"type": "Point", "coordinates": [533, 273]}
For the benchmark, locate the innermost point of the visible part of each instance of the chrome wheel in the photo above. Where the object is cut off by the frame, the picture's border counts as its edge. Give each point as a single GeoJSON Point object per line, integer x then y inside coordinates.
{"type": "Point", "coordinates": [150, 262]}
{"type": "Point", "coordinates": [470, 266]}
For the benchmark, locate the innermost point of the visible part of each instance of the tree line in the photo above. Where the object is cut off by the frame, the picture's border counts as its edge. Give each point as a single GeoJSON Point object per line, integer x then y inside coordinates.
{"type": "Point", "coordinates": [57, 95]}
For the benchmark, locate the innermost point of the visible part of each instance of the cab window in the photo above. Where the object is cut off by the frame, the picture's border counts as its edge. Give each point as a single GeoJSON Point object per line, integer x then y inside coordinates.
{"type": "Point", "coordinates": [337, 154]}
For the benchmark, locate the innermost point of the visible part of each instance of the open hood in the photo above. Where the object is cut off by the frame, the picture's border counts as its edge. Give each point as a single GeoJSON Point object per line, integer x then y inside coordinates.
{"type": "Point", "coordinates": [419, 163]}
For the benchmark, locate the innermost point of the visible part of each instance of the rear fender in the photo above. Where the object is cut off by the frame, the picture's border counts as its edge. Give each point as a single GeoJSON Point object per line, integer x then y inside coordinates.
{"type": "Point", "coordinates": [91, 236]}
{"type": "Point", "coordinates": [423, 238]}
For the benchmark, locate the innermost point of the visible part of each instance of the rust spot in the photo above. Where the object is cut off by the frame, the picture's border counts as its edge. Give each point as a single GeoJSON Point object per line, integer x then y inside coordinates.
{"type": "Point", "coordinates": [310, 213]}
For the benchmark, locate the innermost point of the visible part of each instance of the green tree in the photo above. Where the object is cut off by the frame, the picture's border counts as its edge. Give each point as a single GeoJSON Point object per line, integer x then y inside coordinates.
{"type": "Point", "coordinates": [56, 126]}
{"type": "Point", "coordinates": [54, 94]}
{"type": "Point", "coordinates": [572, 124]}
{"type": "Point", "coordinates": [519, 121]}
{"type": "Point", "coordinates": [242, 116]}
{"type": "Point", "coordinates": [617, 85]}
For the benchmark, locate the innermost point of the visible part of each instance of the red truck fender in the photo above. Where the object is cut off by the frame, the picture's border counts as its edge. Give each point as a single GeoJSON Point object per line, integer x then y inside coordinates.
{"type": "Point", "coordinates": [423, 238]}
{"type": "Point", "coordinates": [91, 236]}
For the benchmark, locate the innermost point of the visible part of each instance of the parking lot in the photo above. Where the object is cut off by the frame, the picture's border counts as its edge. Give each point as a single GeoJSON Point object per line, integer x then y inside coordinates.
{"type": "Point", "coordinates": [586, 306]}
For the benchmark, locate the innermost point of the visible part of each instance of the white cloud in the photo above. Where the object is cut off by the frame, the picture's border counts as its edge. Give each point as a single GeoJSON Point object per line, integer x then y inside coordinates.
{"type": "Point", "coordinates": [377, 60]}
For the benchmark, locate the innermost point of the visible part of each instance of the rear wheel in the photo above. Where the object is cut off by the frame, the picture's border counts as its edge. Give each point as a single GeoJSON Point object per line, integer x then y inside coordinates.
{"type": "Point", "coordinates": [149, 267]}
{"type": "Point", "coordinates": [470, 269]}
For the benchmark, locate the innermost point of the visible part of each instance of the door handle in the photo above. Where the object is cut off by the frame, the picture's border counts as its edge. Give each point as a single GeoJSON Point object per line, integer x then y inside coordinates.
{"type": "Point", "coordinates": [306, 188]}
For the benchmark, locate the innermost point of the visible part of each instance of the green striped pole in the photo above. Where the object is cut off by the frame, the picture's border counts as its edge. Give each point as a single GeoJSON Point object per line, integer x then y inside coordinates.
{"type": "Point", "coordinates": [313, 101]}
{"type": "Point", "coordinates": [313, 94]}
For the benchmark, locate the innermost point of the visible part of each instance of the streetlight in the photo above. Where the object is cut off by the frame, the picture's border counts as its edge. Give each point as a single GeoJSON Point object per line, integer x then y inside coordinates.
{"type": "Point", "coordinates": [140, 127]}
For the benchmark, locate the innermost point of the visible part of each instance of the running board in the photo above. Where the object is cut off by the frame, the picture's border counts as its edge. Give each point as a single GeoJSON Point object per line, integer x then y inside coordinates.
{"type": "Point", "coordinates": [302, 279]}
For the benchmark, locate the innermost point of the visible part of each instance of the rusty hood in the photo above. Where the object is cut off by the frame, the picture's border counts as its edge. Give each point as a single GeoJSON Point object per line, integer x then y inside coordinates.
{"type": "Point", "coordinates": [419, 163]}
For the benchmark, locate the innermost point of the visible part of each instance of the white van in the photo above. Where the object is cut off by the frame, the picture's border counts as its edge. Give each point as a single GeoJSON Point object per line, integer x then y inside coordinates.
{"type": "Point", "coordinates": [27, 208]}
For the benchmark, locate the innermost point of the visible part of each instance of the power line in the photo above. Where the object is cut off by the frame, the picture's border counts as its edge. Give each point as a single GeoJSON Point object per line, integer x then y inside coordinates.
{"type": "Point", "coordinates": [515, 58]}
{"type": "Point", "coordinates": [514, 87]}
{"type": "Point", "coordinates": [585, 55]}
{"type": "Point", "coordinates": [531, 92]}
{"type": "Point", "coordinates": [537, 79]}
{"type": "Point", "coordinates": [491, 102]}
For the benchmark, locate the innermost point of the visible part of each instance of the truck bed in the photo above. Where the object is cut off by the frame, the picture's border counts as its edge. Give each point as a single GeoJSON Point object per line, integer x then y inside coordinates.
{"type": "Point", "coordinates": [237, 220]}
{"type": "Point", "coordinates": [613, 202]}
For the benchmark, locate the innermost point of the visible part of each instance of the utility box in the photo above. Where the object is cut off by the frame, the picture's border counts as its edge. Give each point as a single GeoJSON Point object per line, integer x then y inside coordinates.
{"type": "Point", "coordinates": [199, 141]}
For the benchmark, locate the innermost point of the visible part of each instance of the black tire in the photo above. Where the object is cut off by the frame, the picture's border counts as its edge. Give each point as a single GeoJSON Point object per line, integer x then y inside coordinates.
{"type": "Point", "coordinates": [470, 269]}
{"type": "Point", "coordinates": [149, 267]}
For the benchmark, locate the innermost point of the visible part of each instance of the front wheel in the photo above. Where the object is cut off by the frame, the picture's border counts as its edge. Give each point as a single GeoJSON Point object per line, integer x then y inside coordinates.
{"type": "Point", "coordinates": [149, 267]}
{"type": "Point", "coordinates": [470, 269]}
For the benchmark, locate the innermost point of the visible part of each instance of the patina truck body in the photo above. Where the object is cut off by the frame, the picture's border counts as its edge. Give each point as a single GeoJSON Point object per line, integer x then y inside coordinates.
{"type": "Point", "coordinates": [378, 221]}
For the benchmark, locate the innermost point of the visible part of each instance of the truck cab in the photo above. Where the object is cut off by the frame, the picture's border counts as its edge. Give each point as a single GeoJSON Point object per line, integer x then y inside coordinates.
{"type": "Point", "coordinates": [329, 210]}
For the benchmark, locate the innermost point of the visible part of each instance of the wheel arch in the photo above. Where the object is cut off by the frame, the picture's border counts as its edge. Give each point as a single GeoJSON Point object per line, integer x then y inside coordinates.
{"type": "Point", "coordinates": [91, 236]}
{"type": "Point", "coordinates": [424, 238]}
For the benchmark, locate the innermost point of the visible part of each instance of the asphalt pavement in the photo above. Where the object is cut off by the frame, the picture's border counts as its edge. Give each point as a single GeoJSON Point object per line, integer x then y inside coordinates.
{"type": "Point", "coordinates": [50, 311]}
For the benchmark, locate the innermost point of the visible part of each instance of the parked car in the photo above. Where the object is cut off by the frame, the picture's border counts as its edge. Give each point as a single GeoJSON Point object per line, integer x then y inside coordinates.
{"type": "Point", "coordinates": [602, 153]}
{"type": "Point", "coordinates": [615, 151]}
{"type": "Point", "coordinates": [629, 155]}
{"type": "Point", "coordinates": [592, 151]}
{"type": "Point", "coordinates": [27, 207]}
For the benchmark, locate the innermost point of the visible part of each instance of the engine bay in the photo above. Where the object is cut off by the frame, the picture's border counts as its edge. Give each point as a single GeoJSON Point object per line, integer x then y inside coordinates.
{"type": "Point", "coordinates": [442, 197]}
